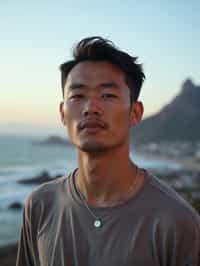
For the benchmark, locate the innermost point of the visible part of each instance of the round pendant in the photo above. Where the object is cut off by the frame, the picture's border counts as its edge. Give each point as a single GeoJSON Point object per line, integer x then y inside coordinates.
{"type": "Point", "coordinates": [98, 223]}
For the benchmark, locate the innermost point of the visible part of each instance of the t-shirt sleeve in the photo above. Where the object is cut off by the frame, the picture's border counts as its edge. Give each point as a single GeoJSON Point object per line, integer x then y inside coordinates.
{"type": "Point", "coordinates": [177, 244]}
{"type": "Point", "coordinates": [27, 245]}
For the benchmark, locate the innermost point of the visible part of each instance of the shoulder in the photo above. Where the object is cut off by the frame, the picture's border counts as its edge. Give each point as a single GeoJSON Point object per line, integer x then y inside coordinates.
{"type": "Point", "coordinates": [171, 207]}
{"type": "Point", "coordinates": [45, 194]}
{"type": "Point", "coordinates": [174, 225]}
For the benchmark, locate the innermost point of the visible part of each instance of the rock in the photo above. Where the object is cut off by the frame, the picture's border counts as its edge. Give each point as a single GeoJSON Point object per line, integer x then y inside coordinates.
{"type": "Point", "coordinates": [15, 206]}
{"type": "Point", "coordinates": [42, 178]}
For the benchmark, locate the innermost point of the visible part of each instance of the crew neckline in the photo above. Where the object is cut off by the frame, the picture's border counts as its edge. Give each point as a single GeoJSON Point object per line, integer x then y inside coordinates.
{"type": "Point", "coordinates": [75, 195]}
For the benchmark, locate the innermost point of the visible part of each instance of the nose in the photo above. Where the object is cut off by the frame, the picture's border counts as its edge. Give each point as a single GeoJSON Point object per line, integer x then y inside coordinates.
{"type": "Point", "coordinates": [92, 107]}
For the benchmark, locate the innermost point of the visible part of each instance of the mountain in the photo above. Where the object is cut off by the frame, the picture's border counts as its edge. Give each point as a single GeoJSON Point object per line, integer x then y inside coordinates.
{"type": "Point", "coordinates": [177, 121]}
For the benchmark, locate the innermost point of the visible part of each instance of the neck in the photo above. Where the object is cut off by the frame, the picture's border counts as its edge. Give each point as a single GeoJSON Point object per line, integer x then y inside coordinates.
{"type": "Point", "coordinates": [105, 178]}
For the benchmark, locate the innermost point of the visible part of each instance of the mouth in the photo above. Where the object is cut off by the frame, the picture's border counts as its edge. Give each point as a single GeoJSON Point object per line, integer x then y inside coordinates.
{"type": "Point", "coordinates": [92, 126]}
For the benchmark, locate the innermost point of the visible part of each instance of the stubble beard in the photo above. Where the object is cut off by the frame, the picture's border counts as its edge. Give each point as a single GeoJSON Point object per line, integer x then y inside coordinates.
{"type": "Point", "coordinates": [99, 147]}
{"type": "Point", "coordinates": [94, 148]}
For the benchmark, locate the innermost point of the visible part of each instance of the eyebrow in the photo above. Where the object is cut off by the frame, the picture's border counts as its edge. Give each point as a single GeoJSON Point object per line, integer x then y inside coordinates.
{"type": "Point", "coordinates": [74, 86]}
{"type": "Point", "coordinates": [105, 85]}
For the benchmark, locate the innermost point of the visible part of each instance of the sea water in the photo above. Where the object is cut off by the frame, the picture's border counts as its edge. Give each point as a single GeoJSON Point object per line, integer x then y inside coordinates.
{"type": "Point", "coordinates": [21, 159]}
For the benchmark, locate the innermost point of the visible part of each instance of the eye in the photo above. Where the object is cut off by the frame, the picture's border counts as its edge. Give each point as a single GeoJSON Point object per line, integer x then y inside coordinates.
{"type": "Point", "coordinates": [108, 96]}
{"type": "Point", "coordinates": [76, 96]}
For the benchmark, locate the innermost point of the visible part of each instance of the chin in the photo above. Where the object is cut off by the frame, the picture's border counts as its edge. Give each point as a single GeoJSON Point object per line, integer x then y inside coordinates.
{"type": "Point", "coordinates": [93, 147]}
{"type": "Point", "coordinates": [97, 147]}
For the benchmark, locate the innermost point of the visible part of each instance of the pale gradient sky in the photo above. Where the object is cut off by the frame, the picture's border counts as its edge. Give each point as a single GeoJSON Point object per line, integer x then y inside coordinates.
{"type": "Point", "coordinates": [36, 36]}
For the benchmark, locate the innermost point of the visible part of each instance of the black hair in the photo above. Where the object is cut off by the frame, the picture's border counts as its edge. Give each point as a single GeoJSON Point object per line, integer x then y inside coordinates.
{"type": "Point", "coordinates": [99, 49]}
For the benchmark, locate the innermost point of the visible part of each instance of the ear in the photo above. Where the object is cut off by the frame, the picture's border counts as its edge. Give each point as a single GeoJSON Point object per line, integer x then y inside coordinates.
{"type": "Point", "coordinates": [61, 110]}
{"type": "Point", "coordinates": [137, 110]}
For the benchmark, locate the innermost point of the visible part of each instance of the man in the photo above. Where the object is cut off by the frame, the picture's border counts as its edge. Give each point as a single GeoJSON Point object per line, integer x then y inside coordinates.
{"type": "Point", "coordinates": [108, 211]}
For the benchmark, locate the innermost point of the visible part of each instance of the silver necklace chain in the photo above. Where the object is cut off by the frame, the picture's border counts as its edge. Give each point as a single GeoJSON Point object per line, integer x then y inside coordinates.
{"type": "Point", "coordinates": [98, 222]}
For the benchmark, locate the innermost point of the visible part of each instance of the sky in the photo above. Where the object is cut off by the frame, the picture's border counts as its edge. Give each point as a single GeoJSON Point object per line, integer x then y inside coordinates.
{"type": "Point", "coordinates": [37, 36]}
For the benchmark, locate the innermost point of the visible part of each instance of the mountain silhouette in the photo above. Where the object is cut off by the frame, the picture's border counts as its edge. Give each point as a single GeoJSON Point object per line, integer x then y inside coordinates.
{"type": "Point", "coordinates": [177, 121]}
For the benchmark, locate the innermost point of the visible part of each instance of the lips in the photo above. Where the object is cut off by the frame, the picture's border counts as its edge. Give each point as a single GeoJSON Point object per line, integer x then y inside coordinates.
{"type": "Point", "coordinates": [92, 124]}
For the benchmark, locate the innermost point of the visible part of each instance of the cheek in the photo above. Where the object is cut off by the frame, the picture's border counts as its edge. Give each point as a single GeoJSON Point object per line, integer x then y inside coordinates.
{"type": "Point", "coordinates": [71, 115]}
{"type": "Point", "coordinates": [69, 111]}
{"type": "Point", "coordinates": [121, 120]}
{"type": "Point", "coordinates": [122, 112]}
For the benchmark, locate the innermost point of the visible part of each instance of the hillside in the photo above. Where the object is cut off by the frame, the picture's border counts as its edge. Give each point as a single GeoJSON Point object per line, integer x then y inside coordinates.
{"type": "Point", "coordinates": [179, 120]}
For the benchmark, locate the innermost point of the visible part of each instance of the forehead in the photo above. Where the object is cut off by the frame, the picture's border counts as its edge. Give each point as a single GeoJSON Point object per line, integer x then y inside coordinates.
{"type": "Point", "coordinates": [95, 72]}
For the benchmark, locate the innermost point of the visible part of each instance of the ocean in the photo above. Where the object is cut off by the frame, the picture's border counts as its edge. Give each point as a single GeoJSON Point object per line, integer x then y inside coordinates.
{"type": "Point", "coordinates": [21, 159]}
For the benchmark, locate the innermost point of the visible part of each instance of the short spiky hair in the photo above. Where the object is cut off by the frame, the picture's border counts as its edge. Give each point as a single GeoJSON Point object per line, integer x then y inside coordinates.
{"type": "Point", "coordinates": [99, 49]}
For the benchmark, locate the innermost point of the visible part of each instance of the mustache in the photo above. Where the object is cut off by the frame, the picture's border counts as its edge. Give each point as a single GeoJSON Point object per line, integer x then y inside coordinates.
{"type": "Point", "coordinates": [92, 122]}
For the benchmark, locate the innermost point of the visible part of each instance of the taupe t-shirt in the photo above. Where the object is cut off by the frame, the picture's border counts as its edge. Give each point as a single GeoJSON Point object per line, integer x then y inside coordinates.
{"type": "Point", "coordinates": [156, 227]}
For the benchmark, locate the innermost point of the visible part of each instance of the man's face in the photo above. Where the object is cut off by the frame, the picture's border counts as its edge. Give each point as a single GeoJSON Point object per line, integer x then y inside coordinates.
{"type": "Point", "coordinates": [96, 109]}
